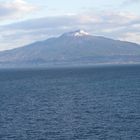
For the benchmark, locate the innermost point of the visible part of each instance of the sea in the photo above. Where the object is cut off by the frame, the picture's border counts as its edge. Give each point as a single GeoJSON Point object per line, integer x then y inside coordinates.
{"type": "Point", "coordinates": [77, 103]}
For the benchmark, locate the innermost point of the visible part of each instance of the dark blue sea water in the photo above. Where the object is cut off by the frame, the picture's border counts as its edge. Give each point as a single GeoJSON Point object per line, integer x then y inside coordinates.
{"type": "Point", "coordinates": [97, 103]}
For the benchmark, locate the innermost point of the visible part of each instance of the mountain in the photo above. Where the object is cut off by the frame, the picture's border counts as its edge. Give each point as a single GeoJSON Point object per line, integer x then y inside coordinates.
{"type": "Point", "coordinates": [73, 48]}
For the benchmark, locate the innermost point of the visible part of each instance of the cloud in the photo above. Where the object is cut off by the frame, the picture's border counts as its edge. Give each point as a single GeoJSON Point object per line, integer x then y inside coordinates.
{"type": "Point", "coordinates": [15, 9]}
{"type": "Point", "coordinates": [124, 26]}
{"type": "Point", "coordinates": [133, 36]}
{"type": "Point", "coordinates": [102, 20]}
{"type": "Point", "coordinates": [128, 2]}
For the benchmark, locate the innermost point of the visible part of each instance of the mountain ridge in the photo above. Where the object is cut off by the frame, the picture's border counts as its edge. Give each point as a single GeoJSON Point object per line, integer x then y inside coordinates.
{"type": "Point", "coordinates": [77, 47]}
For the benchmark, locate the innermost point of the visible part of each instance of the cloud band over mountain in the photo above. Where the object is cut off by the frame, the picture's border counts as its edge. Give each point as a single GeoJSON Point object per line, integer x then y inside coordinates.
{"type": "Point", "coordinates": [115, 25]}
{"type": "Point", "coordinates": [23, 28]}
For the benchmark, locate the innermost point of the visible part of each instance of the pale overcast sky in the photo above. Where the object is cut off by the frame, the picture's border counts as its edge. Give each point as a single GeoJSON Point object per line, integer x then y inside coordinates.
{"type": "Point", "coordinates": [26, 21]}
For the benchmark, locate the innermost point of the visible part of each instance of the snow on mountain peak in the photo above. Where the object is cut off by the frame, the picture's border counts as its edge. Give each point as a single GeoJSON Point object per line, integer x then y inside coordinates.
{"type": "Point", "coordinates": [78, 33]}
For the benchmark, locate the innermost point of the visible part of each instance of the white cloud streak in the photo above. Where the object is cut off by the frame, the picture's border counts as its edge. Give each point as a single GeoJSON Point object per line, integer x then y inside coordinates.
{"type": "Point", "coordinates": [14, 9]}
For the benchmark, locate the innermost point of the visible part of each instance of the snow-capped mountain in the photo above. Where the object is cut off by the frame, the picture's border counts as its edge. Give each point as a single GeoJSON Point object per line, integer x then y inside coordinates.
{"type": "Point", "coordinates": [73, 48]}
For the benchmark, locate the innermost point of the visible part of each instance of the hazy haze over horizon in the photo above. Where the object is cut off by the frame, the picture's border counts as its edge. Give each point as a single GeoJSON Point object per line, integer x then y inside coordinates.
{"type": "Point", "coordinates": [26, 21]}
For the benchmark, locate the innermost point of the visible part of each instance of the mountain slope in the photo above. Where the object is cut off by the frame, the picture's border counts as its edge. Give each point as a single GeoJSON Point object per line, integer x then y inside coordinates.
{"type": "Point", "coordinates": [76, 47]}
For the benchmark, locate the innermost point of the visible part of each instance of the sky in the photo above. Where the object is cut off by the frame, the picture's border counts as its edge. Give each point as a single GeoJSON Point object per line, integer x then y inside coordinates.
{"type": "Point", "coordinates": [26, 21]}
